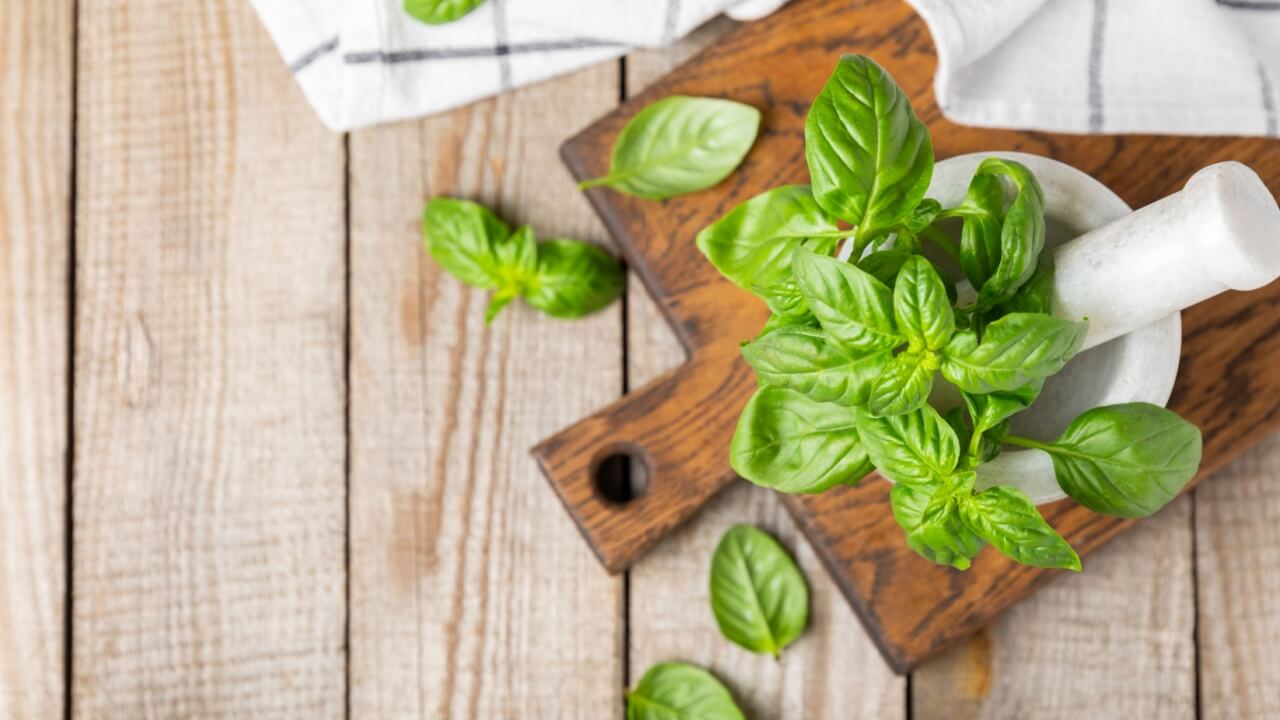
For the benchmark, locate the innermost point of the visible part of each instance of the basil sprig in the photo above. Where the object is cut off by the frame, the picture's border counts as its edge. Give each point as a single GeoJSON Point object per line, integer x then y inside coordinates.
{"type": "Point", "coordinates": [848, 360]}
{"type": "Point", "coordinates": [679, 145]}
{"type": "Point", "coordinates": [562, 278]}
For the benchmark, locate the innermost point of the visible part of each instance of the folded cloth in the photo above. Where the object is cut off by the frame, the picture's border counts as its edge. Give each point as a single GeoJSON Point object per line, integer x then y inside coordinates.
{"type": "Point", "coordinates": [362, 62]}
{"type": "Point", "coordinates": [1196, 67]}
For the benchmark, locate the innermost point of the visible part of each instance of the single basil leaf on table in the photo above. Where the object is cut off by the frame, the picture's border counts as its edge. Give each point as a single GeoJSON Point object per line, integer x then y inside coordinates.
{"type": "Point", "coordinates": [680, 691]}
{"type": "Point", "coordinates": [1128, 460]}
{"type": "Point", "coordinates": [1021, 234]}
{"type": "Point", "coordinates": [854, 308]}
{"type": "Point", "coordinates": [930, 518]}
{"type": "Point", "coordinates": [921, 307]}
{"type": "Point", "coordinates": [680, 145]}
{"type": "Point", "coordinates": [903, 385]}
{"type": "Point", "coordinates": [1007, 519]}
{"type": "Point", "coordinates": [793, 444]}
{"type": "Point", "coordinates": [752, 245]}
{"type": "Point", "coordinates": [805, 360]}
{"type": "Point", "coordinates": [517, 266]}
{"type": "Point", "coordinates": [573, 279]}
{"type": "Point", "coordinates": [870, 158]}
{"type": "Point", "coordinates": [1015, 350]}
{"type": "Point", "coordinates": [463, 236]}
{"type": "Point", "coordinates": [758, 596]}
{"type": "Point", "coordinates": [439, 12]}
{"type": "Point", "coordinates": [913, 448]}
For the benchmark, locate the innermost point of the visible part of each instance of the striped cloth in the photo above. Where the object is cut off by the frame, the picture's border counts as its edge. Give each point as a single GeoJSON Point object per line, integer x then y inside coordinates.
{"type": "Point", "coordinates": [362, 62]}
{"type": "Point", "coordinates": [1196, 67]}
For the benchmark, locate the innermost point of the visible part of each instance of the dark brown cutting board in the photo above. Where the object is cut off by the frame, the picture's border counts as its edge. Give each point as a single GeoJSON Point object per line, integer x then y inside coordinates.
{"type": "Point", "coordinates": [680, 425]}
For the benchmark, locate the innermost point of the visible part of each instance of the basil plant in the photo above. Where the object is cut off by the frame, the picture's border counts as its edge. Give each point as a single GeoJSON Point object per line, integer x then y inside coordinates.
{"type": "Point", "coordinates": [863, 325]}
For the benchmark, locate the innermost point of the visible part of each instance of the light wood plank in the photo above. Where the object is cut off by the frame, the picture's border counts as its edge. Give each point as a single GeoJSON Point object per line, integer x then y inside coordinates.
{"type": "Point", "coordinates": [1116, 641]}
{"type": "Point", "coordinates": [209, 482]}
{"type": "Point", "coordinates": [35, 220]}
{"type": "Point", "coordinates": [473, 595]}
{"type": "Point", "coordinates": [833, 671]}
{"type": "Point", "coordinates": [1238, 570]}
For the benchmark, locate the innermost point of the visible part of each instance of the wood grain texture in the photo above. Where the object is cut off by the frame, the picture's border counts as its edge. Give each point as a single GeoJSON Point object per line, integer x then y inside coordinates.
{"type": "Point", "coordinates": [472, 594]}
{"type": "Point", "coordinates": [833, 671]}
{"type": "Point", "coordinates": [209, 571]}
{"type": "Point", "coordinates": [1237, 521]}
{"type": "Point", "coordinates": [36, 54]}
{"type": "Point", "coordinates": [914, 609]}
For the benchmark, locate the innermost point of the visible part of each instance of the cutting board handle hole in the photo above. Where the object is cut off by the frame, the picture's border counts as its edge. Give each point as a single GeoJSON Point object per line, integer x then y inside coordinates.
{"type": "Point", "coordinates": [621, 475]}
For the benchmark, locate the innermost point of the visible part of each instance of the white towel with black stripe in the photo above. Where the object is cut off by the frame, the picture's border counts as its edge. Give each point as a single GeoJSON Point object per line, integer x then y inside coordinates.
{"type": "Point", "coordinates": [1195, 67]}
{"type": "Point", "coordinates": [363, 62]}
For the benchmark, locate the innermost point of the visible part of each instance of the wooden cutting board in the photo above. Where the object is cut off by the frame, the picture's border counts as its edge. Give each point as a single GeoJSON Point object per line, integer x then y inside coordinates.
{"type": "Point", "coordinates": [679, 427]}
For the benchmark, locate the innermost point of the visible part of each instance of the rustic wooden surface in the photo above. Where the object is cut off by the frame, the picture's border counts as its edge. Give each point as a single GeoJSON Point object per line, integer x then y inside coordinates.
{"type": "Point", "coordinates": [221, 298]}
{"type": "Point", "coordinates": [912, 608]}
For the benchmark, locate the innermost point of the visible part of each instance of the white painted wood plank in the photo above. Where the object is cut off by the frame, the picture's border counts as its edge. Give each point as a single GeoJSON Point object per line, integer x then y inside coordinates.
{"type": "Point", "coordinates": [209, 568]}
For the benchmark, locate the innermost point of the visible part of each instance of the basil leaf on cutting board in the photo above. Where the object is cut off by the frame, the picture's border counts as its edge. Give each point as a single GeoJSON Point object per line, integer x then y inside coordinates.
{"type": "Point", "coordinates": [680, 691]}
{"type": "Point", "coordinates": [439, 12]}
{"type": "Point", "coordinates": [759, 597]}
{"type": "Point", "coordinates": [870, 158]}
{"type": "Point", "coordinates": [794, 444]}
{"type": "Point", "coordinates": [1007, 519]}
{"type": "Point", "coordinates": [1128, 460]}
{"type": "Point", "coordinates": [679, 145]}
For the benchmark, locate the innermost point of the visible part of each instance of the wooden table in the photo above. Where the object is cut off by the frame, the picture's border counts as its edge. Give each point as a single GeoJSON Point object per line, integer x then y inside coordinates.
{"type": "Point", "coordinates": [259, 457]}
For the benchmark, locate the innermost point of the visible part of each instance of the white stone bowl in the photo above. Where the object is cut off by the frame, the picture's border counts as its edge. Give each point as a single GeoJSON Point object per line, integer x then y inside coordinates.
{"type": "Point", "coordinates": [1137, 367]}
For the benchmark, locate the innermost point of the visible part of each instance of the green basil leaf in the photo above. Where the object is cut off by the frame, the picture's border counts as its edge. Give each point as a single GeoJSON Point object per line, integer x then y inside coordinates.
{"type": "Point", "coordinates": [956, 419]}
{"type": "Point", "coordinates": [991, 409]}
{"type": "Point", "coordinates": [935, 531]}
{"type": "Point", "coordinates": [806, 361]}
{"type": "Point", "coordinates": [1036, 294]}
{"type": "Point", "coordinates": [870, 158]}
{"type": "Point", "coordinates": [1015, 350]}
{"type": "Point", "coordinates": [783, 298]}
{"type": "Point", "coordinates": [1128, 460]}
{"type": "Point", "coordinates": [1006, 518]}
{"type": "Point", "coordinates": [500, 300]}
{"type": "Point", "coordinates": [777, 321]}
{"type": "Point", "coordinates": [758, 596]}
{"type": "Point", "coordinates": [517, 257]}
{"type": "Point", "coordinates": [923, 216]}
{"type": "Point", "coordinates": [793, 444]}
{"type": "Point", "coordinates": [903, 385]}
{"type": "Point", "coordinates": [680, 145]}
{"type": "Point", "coordinates": [884, 265]}
{"type": "Point", "coordinates": [752, 245]}
{"type": "Point", "coordinates": [979, 247]}
{"type": "Point", "coordinates": [921, 307]}
{"type": "Point", "coordinates": [854, 308]}
{"type": "Point", "coordinates": [573, 279]}
{"type": "Point", "coordinates": [679, 691]}
{"type": "Point", "coordinates": [463, 236]}
{"type": "Point", "coordinates": [912, 448]}
{"type": "Point", "coordinates": [1021, 235]}
{"type": "Point", "coordinates": [439, 12]}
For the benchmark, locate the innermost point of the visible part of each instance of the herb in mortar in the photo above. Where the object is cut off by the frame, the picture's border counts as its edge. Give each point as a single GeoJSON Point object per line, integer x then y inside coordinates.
{"type": "Point", "coordinates": [562, 278]}
{"type": "Point", "coordinates": [679, 145]}
{"type": "Point", "coordinates": [849, 357]}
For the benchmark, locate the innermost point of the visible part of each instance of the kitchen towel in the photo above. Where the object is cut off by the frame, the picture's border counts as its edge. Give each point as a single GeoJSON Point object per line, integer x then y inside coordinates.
{"type": "Point", "coordinates": [1196, 67]}
{"type": "Point", "coordinates": [362, 62]}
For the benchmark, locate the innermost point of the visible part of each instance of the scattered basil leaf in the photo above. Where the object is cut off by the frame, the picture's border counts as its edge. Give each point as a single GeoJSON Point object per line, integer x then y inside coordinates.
{"type": "Point", "coordinates": [439, 12]}
{"type": "Point", "coordinates": [1021, 234]}
{"type": "Point", "coordinates": [870, 158]}
{"type": "Point", "coordinates": [1006, 518]}
{"type": "Point", "coordinates": [793, 444]}
{"type": "Point", "coordinates": [680, 145]}
{"type": "Point", "coordinates": [805, 360]}
{"type": "Point", "coordinates": [679, 691]}
{"type": "Point", "coordinates": [931, 519]}
{"type": "Point", "coordinates": [463, 236]}
{"type": "Point", "coordinates": [854, 308]}
{"type": "Point", "coordinates": [1015, 350]}
{"type": "Point", "coordinates": [1128, 460]}
{"type": "Point", "coordinates": [921, 307]}
{"type": "Point", "coordinates": [758, 596]}
{"type": "Point", "coordinates": [903, 385]}
{"type": "Point", "coordinates": [752, 245]}
{"type": "Point", "coordinates": [573, 279]}
{"type": "Point", "coordinates": [913, 448]}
